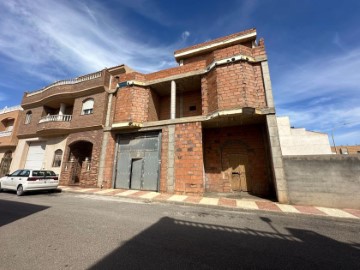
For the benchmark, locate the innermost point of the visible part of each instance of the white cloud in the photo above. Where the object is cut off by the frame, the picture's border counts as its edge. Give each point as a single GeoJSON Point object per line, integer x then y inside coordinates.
{"type": "Point", "coordinates": [60, 37]}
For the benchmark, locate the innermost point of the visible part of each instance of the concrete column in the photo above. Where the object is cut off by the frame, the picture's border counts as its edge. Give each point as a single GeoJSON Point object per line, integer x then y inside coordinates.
{"type": "Point", "coordinates": [104, 143]}
{"type": "Point", "coordinates": [171, 160]}
{"type": "Point", "coordinates": [276, 158]}
{"type": "Point", "coordinates": [62, 108]}
{"type": "Point", "coordinates": [173, 100]}
{"type": "Point", "coordinates": [267, 84]}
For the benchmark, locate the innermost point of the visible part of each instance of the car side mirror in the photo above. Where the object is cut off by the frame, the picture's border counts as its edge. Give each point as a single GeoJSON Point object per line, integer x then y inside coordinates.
{"type": "Point", "coordinates": [7, 174]}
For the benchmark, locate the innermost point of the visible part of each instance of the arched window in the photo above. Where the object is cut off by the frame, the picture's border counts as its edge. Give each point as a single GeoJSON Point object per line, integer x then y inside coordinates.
{"type": "Point", "coordinates": [28, 117]}
{"type": "Point", "coordinates": [57, 158]}
{"type": "Point", "coordinates": [88, 106]}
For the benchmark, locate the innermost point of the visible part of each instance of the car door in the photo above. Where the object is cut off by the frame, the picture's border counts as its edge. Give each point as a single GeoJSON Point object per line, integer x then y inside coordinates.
{"type": "Point", "coordinates": [10, 181]}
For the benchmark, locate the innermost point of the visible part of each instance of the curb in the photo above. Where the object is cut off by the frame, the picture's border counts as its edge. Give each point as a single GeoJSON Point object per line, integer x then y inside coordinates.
{"type": "Point", "coordinates": [292, 210]}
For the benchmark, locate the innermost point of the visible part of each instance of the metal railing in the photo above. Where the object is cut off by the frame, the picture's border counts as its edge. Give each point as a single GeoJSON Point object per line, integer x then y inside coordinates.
{"type": "Point", "coordinates": [87, 77]}
{"type": "Point", "coordinates": [56, 118]}
{"type": "Point", "coordinates": [5, 133]}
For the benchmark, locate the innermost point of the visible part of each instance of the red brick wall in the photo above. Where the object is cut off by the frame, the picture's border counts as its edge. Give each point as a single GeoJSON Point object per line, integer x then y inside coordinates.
{"type": "Point", "coordinates": [154, 106]}
{"type": "Point", "coordinates": [249, 140]}
{"type": "Point", "coordinates": [188, 159]}
{"type": "Point", "coordinates": [96, 118]}
{"type": "Point", "coordinates": [132, 104]}
{"type": "Point", "coordinates": [209, 92]}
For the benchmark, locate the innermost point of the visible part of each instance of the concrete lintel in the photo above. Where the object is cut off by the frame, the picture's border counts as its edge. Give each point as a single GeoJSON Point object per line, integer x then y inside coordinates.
{"type": "Point", "coordinates": [126, 125]}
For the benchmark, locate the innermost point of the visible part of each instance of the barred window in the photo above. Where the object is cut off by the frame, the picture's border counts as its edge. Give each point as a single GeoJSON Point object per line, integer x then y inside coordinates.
{"type": "Point", "coordinates": [57, 158]}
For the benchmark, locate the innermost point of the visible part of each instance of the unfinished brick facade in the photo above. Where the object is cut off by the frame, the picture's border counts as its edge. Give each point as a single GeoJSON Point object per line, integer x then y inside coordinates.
{"type": "Point", "coordinates": [211, 114]}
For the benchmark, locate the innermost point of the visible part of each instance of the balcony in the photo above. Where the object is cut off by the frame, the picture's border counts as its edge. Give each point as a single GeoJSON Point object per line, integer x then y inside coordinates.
{"type": "Point", "coordinates": [5, 133]}
{"type": "Point", "coordinates": [55, 118]}
{"type": "Point", "coordinates": [54, 125]}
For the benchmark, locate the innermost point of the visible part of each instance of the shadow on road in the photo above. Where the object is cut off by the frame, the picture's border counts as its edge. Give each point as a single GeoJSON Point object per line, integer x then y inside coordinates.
{"type": "Point", "coordinates": [178, 244]}
{"type": "Point", "coordinates": [11, 211]}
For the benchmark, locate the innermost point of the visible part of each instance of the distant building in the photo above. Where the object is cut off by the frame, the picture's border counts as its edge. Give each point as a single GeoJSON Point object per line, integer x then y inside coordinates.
{"type": "Point", "coordinates": [298, 141]}
{"type": "Point", "coordinates": [346, 149]}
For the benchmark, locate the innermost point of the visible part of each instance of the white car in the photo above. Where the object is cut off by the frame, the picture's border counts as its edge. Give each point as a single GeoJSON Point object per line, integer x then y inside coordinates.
{"type": "Point", "coordinates": [26, 180]}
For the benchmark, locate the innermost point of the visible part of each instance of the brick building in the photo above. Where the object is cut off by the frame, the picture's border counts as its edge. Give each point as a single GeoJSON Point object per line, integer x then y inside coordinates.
{"type": "Point", "coordinates": [61, 127]}
{"type": "Point", "coordinates": [346, 149]}
{"type": "Point", "coordinates": [8, 140]}
{"type": "Point", "coordinates": [206, 126]}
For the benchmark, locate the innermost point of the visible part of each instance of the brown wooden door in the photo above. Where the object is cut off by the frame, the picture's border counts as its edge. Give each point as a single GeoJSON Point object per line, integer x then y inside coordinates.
{"type": "Point", "coordinates": [237, 167]}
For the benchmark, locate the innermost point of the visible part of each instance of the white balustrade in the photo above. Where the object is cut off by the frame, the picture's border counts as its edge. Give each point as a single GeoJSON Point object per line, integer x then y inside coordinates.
{"type": "Point", "coordinates": [56, 118]}
{"type": "Point", "coordinates": [5, 133]}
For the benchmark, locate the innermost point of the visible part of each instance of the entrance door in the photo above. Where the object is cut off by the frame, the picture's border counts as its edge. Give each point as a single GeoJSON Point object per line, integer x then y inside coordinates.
{"type": "Point", "coordinates": [35, 156]}
{"type": "Point", "coordinates": [136, 173]}
{"type": "Point", "coordinates": [237, 167]}
{"type": "Point", "coordinates": [138, 161]}
{"type": "Point", "coordinates": [5, 164]}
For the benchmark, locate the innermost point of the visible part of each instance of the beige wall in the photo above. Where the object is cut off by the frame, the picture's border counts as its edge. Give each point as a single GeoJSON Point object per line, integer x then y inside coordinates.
{"type": "Point", "coordinates": [298, 141]}
{"type": "Point", "coordinates": [52, 144]}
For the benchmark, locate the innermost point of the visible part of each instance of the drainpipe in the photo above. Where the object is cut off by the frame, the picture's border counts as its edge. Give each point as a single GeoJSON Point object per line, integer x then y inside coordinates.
{"type": "Point", "coordinates": [173, 100]}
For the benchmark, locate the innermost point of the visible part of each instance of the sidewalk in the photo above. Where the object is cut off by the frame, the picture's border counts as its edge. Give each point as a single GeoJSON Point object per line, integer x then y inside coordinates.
{"type": "Point", "coordinates": [220, 203]}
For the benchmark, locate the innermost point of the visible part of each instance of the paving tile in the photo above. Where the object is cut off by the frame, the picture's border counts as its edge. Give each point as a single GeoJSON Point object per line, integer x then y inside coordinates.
{"type": "Point", "coordinates": [149, 195]}
{"type": "Point", "coordinates": [309, 210]}
{"type": "Point", "coordinates": [287, 208]}
{"type": "Point", "coordinates": [209, 201]}
{"type": "Point", "coordinates": [138, 193]}
{"type": "Point", "coordinates": [162, 197]}
{"type": "Point", "coordinates": [268, 206]}
{"type": "Point", "coordinates": [104, 191]}
{"type": "Point", "coordinates": [336, 212]}
{"type": "Point", "coordinates": [177, 198]}
{"type": "Point", "coordinates": [246, 204]}
{"type": "Point", "coordinates": [83, 190]}
{"type": "Point", "coordinates": [127, 193]}
{"type": "Point", "coordinates": [227, 202]}
{"type": "Point", "coordinates": [354, 212]}
{"type": "Point", "coordinates": [193, 199]}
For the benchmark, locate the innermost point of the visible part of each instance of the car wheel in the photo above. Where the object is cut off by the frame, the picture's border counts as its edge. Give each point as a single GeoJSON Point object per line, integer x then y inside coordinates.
{"type": "Point", "coordinates": [20, 190]}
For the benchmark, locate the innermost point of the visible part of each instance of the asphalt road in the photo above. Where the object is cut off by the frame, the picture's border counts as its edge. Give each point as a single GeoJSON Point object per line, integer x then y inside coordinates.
{"type": "Point", "coordinates": [74, 231]}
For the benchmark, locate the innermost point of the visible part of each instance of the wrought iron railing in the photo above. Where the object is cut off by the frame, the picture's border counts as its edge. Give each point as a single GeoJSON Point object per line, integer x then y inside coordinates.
{"type": "Point", "coordinates": [56, 118]}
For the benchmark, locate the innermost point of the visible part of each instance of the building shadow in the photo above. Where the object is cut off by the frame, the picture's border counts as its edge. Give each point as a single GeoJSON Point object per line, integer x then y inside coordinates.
{"type": "Point", "coordinates": [11, 211]}
{"type": "Point", "coordinates": [179, 244]}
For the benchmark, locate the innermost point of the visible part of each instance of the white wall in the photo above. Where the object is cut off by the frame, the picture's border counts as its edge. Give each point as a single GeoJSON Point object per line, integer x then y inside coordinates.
{"type": "Point", "coordinates": [52, 144]}
{"type": "Point", "coordinates": [298, 141]}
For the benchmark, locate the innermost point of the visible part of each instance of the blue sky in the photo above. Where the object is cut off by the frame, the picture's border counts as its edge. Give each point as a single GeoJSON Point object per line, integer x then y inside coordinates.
{"type": "Point", "coordinates": [313, 47]}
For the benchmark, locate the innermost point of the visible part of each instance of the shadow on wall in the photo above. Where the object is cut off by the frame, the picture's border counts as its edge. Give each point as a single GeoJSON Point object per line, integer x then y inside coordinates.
{"type": "Point", "coordinates": [178, 244]}
{"type": "Point", "coordinates": [11, 211]}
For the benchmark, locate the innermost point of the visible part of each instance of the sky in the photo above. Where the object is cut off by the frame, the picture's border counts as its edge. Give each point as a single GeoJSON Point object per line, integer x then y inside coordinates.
{"type": "Point", "coordinates": [313, 48]}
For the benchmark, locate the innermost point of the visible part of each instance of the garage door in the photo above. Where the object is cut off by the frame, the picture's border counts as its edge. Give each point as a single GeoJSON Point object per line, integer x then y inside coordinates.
{"type": "Point", "coordinates": [138, 161]}
{"type": "Point", "coordinates": [35, 156]}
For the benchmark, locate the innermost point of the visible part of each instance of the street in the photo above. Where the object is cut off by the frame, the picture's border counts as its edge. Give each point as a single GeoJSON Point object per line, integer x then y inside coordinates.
{"type": "Point", "coordinates": [78, 231]}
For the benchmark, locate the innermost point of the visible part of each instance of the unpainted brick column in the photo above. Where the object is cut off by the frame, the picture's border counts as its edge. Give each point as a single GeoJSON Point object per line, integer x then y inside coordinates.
{"type": "Point", "coordinates": [171, 158]}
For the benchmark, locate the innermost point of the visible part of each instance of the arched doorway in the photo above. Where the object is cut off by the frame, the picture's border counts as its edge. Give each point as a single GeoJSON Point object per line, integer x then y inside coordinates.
{"type": "Point", "coordinates": [5, 163]}
{"type": "Point", "coordinates": [80, 152]}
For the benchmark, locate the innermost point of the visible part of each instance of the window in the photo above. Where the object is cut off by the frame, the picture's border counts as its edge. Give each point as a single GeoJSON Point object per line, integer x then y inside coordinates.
{"type": "Point", "coordinates": [57, 158]}
{"type": "Point", "coordinates": [28, 117]}
{"type": "Point", "coordinates": [88, 106]}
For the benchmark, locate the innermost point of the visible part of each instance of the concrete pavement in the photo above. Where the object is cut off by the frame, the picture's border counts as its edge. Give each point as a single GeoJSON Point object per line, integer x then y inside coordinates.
{"type": "Point", "coordinates": [221, 203]}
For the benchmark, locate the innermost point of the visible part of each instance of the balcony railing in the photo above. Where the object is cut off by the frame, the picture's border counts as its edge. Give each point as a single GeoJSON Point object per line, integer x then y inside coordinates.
{"type": "Point", "coordinates": [10, 109]}
{"type": "Point", "coordinates": [5, 133]}
{"type": "Point", "coordinates": [87, 77]}
{"type": "Point", "coordinates": [56, 118]}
